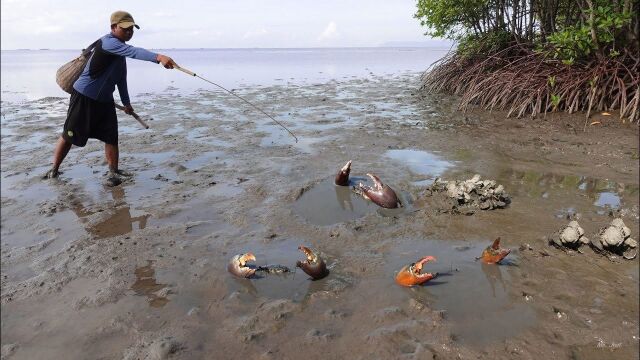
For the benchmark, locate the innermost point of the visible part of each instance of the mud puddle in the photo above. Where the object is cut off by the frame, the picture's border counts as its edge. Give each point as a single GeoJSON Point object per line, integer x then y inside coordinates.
{"type": "Point", "coordinates": [475, 297]}
{"type": "Point", "coordinates": [326, 203]}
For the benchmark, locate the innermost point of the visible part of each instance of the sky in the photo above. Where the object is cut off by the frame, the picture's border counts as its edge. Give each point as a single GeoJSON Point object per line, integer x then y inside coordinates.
{"type": "Point", "coordinates": [74, 24]}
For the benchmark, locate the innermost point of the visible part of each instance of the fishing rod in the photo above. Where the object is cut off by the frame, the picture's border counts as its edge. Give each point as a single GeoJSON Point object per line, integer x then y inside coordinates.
{"type": "Point", "coordinates": [238, 96]}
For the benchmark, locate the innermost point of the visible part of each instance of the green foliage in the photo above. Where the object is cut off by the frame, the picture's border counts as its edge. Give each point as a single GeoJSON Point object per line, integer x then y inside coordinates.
{"type": "Point", "coordinates": [567, 30]}
{"type": "Point", "coordinates": [555, 101]}
{"type": "Point", "coordinates": [577, 41]}
{"type": "Point", "coordinates": [451, 19]}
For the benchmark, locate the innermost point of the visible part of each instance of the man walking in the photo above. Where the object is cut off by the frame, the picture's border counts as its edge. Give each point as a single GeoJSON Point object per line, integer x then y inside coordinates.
{"type": "Point", "coordinates": [92, 111]}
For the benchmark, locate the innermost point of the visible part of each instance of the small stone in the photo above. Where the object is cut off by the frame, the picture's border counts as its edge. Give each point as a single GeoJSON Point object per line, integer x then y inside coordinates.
{"type": "Point", "coordinates": [595, 242]}
{"type": "Point", "coordinates": [631, 243]}
{"type": "Point", "coordinates": [584, 240]}
{"type": "Point", "coordinates": [630, 253]}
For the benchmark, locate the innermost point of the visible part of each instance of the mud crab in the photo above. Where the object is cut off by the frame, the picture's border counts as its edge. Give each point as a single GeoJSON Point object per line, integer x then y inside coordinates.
{"type": "Point", "coordinates": [238, 265]}
{"type": "Point", "coordinates": [314, 265]}
{"type": "Point", "coordinates": [412, 274]}
{"type": "Point", "coordinates": [342, 177]}
{"type": "Point", "coordinates": [493, 253]}
{"type": "Point", "coordinates": [380, 194]}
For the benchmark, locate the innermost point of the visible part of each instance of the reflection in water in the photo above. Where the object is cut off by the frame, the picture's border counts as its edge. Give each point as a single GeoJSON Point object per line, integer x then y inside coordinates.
{"type": "Point", "coordinates": [117, 223]}
{"type": "Point", "coordinates": [602, 193]}
{"type": "Point", "coordinates": [326, 203]}
{"type": "Point", "coordinates": [493, 273]}
{"type": "Point", "coordinates": [146, 285]}
{"type": "Point", "coordinates": [343, 195]}
{"type": "Point", "coordinates": [420, 162]}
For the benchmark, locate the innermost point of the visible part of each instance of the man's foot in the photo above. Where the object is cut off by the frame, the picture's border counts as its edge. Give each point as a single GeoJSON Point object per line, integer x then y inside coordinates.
{"type": "Point", "coordinates": [113, 179]}
{"type": "Point", "coordinates": [51, 174]}
{"type": "Point", "coordinates": [121, 173]}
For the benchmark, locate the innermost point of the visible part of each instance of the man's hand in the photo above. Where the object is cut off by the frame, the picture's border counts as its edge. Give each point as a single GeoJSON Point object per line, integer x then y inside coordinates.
{"type": "Point", "coordinates": [166, 61]}
{"type": "Point", "coordinates": [128, 109]}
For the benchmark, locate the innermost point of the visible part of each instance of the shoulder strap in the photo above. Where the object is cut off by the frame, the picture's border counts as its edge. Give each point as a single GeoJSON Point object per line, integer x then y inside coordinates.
{"type": "Point", "coordinates": [89, 48]}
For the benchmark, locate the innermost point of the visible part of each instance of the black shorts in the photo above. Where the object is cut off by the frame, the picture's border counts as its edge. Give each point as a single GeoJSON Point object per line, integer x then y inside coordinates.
{"type": "Point", "coordinates": [88, 118]}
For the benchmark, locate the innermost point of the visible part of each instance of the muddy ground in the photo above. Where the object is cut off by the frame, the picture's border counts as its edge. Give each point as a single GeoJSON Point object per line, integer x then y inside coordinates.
{"type": "Point", "coordinates": [138, 271]}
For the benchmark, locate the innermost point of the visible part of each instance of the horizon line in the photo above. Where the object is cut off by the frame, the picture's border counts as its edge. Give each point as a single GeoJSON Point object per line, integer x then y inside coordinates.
{"type": "Point", "coordinates": [254, 48]}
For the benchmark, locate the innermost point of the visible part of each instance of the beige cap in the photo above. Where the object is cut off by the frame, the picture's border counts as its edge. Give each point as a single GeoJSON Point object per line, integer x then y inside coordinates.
{"type": "Point", "coordinates": [123, 19]}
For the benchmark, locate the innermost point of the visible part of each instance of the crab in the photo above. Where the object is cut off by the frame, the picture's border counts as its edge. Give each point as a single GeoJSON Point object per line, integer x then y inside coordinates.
{"type": "Point", "coordinates": [493, 253]}
{"type": "Point", "coordinates": [314, 265]}
{"type": "Point", "coordinates": [380, 194]}
{"type": "Point", "coordinates": [411, 275]}
{"type": "Point", "coordinates": [342, 177]}
{"type": "Point", "coordinates": [238, 265]}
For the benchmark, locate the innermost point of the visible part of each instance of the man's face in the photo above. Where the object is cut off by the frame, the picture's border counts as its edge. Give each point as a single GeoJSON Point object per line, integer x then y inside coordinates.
{"type": "Point", "coordinates": [124, 34]}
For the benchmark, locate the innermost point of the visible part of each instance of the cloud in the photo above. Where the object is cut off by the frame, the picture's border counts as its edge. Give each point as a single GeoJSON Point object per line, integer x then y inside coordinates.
{"type": "Point", "coordinates": [330, 32]}
{"type": "Point", "coordinates": [255, 33]}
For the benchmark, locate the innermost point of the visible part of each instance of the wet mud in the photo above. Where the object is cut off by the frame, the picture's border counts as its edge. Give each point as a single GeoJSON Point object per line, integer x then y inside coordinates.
{"type": "Point", "coordinates": [139, 270]}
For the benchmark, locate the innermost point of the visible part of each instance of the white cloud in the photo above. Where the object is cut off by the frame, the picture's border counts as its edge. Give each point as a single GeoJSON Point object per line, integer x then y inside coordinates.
{"type": "Point", "coordinates": [255, 33]}
{"type": "Point", "coordinates": [330, 32]}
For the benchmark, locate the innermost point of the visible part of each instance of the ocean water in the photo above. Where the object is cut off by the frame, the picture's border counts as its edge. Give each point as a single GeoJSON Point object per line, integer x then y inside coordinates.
{"type": "Point", "coordinates": [30, 74]}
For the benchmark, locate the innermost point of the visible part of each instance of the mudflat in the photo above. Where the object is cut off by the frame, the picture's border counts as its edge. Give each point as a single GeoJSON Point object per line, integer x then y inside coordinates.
{"type": "Point", "coordinates": [139, 270]}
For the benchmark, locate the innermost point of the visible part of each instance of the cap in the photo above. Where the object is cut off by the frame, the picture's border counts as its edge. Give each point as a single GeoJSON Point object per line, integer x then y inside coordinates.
{"type": "Point", "coordinates": [123, 19]}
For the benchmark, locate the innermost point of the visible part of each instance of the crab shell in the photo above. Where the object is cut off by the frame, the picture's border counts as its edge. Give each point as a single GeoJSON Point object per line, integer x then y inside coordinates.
{"type": "Point", "coordinates": [412, 275]}
{"type": "Point", "coordinates": [494, 254]}
{"type": "Point", "coordinates": [342, 177]}
{"type": "Point", "coordinates": [313, 266]}
{"type": "Point", "coordinates": [380, 193]}
{"type": "Point", "coordinates": [237, 265]}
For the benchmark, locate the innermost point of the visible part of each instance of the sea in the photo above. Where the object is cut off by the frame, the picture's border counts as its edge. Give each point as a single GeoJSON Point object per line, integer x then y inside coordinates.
{"type": "Point", "coordinates": [30, 74]}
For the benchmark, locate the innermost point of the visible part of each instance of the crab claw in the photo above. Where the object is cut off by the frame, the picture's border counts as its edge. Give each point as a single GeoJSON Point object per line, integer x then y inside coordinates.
{"type": "Point", "coordinates": [380, 194]}
{"type": "Point", "coordinates": [342, 177]}
{"type": "Point", "coordinates": [238, 265]}
{"type": "Point", "coordinates": [313, 266]}
{"type": "Point", "coordinates": [493, 253]}
{"type": "Point", "coordinates": [412, 274]}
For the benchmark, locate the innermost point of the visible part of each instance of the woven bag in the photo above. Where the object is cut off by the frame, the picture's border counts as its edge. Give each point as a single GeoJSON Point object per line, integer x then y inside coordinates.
{"type": "Point", "coordinates": [68, 73]}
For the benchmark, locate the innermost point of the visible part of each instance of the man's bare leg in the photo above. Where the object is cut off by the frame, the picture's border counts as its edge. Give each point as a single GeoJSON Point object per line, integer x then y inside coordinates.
{"type": "Point", "coordinates": [60, 152]}
{"type": "Point", "coordinates": [112, 153]}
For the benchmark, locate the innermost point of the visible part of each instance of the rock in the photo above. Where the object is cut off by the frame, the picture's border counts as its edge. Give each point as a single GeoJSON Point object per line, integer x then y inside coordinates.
{"type": "Point", "coordinates": [612, 236]}
{"type": "Point", "coordinates": [569, 235]}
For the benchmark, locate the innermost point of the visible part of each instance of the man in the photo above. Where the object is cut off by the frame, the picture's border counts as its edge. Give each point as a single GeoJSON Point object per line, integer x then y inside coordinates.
{"type": "Point", "coordinates": [92, 111]}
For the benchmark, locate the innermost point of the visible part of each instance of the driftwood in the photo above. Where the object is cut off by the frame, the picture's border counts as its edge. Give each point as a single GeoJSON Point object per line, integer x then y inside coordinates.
{"type": "Point", "coordinates": [522, 81]}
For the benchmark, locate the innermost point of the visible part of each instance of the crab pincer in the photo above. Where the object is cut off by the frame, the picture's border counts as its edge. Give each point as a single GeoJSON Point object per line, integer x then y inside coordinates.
{"type": "Point", "coordinates": [313, 265]}
{"type": "Point", "coordinates": [238, 265]}
{"type": "Point", "coordinates": [342, 177]}
{"type": "Point", "coordinates": [381, 194]}
{"type": "Point", "coordinates": [493, 253]}
{"type": "Point", "coordinates": [412, 274]}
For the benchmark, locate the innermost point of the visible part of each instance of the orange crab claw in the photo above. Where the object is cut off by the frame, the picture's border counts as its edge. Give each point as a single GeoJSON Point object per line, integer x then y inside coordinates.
{"type": "Point", "coordinates": [494, 254]}
{"type": "Point", "coordinates": [412, 275]}
{"type": "Point", "coordinates": [238, 265]}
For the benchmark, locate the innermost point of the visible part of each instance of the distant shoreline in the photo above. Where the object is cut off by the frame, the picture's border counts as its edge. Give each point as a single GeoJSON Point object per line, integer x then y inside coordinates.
{"type": "Point", "coordinates": [271, 49]}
